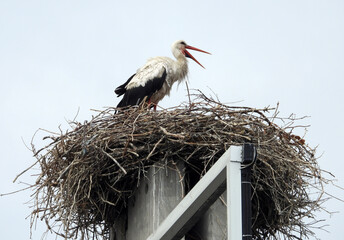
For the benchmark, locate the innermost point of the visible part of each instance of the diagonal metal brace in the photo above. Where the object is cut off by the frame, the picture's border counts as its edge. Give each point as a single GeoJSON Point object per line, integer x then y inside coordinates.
{"type": "Point", "coordinates": [202, 196]}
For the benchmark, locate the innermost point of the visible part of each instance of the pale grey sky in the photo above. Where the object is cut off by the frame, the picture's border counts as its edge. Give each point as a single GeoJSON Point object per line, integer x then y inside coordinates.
{"type": "Point", "coordinates": [58, 56]}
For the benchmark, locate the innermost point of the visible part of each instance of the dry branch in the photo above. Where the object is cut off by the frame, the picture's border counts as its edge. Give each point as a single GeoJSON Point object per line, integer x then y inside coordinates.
{"type": "Point", "coordinates": [88, 173]}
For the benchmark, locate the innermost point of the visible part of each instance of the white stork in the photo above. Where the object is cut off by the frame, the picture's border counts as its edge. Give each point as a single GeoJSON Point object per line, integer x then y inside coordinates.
{"type": "Point", "coordinates": [154, 80]}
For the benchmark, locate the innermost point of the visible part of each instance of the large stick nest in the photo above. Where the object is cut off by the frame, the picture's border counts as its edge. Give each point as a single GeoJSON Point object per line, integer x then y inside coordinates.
{"type": "Point", "coordinates": [87, 174]}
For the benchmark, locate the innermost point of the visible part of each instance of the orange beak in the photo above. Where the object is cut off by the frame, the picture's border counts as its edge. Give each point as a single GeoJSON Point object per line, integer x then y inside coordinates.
{"type": "Point", "coordinates": [187, 54]}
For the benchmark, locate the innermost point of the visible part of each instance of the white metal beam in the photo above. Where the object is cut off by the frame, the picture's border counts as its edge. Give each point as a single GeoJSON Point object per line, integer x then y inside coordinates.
{"type": "Point", "coordinates": [202, 195]}
{"type": "Point", "coordinates": [234, 218]}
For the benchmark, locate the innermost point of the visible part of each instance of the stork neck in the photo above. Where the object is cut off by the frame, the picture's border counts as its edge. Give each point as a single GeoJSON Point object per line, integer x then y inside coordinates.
{"type": "Point", "coordinates": [181, 59]}
{"type": "Point", "coordinates": [182, 67]}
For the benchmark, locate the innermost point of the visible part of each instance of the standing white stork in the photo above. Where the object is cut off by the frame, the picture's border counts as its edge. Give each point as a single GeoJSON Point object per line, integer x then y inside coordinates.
{"type": "Point", "coordinates": [154, 80]}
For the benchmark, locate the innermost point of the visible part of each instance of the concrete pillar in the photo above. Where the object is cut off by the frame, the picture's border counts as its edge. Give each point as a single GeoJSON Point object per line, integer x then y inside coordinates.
{"type": "Point", "coordinates": [157, 195]}
{"type": "Point", "coordinates": [213, 224]}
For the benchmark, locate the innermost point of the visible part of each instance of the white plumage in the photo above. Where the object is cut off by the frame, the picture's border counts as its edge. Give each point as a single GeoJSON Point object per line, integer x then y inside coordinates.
{"type": "Point", "coordinates": [154, 80]}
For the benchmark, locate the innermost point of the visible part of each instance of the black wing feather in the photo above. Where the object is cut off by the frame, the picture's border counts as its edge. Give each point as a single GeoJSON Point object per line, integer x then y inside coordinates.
{"type": "Point", "coordinates": [120, 90]}
{"type": "Point", "coordinates": [135, 96]}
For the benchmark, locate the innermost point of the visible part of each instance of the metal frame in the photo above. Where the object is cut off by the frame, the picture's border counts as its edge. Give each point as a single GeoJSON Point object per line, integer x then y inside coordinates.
{"type": "Point", "coordinates": [225, 172]}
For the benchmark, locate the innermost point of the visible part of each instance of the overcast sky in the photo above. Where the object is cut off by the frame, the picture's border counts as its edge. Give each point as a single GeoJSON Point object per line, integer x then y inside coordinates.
{"type": "Point", "coordinates": [60, 56]}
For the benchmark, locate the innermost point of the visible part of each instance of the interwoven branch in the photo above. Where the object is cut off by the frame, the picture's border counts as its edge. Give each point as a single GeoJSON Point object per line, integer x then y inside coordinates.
{"type": "Point", "coordinates": [88, 173]}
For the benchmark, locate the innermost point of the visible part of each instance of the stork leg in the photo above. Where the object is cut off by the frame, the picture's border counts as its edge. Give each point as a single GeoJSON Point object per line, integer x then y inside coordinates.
{"type": "Point", "coordinates": [154, 104]}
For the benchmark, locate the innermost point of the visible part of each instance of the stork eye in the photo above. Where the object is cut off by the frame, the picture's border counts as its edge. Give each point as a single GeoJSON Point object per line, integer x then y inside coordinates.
{"type": "Point", "coordinates": [183, 43]}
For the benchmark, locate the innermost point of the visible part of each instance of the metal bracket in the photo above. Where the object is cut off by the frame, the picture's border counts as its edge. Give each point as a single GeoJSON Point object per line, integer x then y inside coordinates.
{"type": "Point", "coordinates": [227, 173]}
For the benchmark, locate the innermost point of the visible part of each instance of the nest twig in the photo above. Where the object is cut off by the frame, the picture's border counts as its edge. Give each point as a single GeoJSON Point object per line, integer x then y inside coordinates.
{"type": "Point", "coordinates": [88, 173]}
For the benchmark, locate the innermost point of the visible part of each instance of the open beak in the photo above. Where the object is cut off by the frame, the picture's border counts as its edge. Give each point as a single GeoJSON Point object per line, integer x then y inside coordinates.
{"type": "Point", "coordinates": [187, 54]}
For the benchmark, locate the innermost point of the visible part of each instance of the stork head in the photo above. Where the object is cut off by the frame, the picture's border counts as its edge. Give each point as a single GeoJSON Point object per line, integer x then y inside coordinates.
{"type": "Point", "coordinates": [179, 49]}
